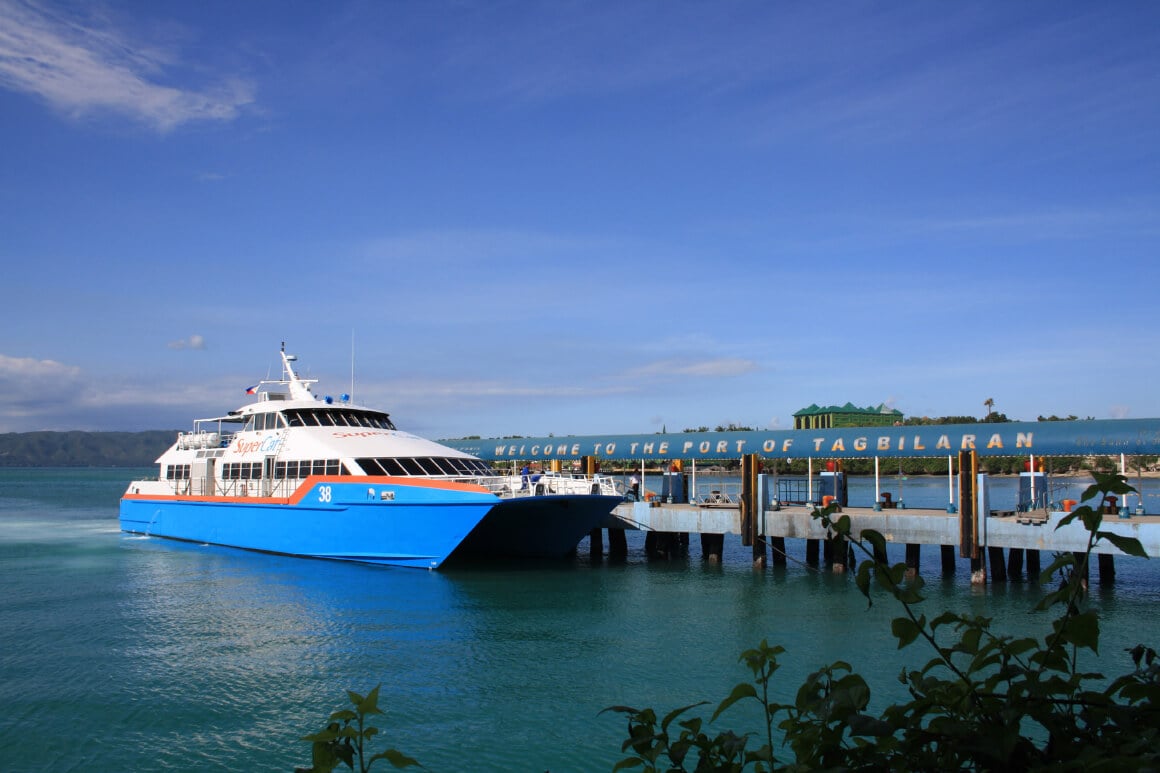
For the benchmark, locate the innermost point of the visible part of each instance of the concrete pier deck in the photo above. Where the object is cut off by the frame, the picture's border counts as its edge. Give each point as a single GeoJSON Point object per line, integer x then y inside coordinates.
{"type": "Point", "coordinates": [906, 526]}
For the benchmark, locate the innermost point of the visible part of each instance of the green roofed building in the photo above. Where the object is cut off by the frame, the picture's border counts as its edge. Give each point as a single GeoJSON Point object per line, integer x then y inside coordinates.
{"type": "Point", "coordinates": [846, 415]}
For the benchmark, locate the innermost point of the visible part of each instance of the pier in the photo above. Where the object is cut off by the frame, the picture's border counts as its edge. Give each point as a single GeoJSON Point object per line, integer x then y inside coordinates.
{"type": "Point", "coordinates": [998, 543]}
{"type": "Point", "coordinates": [1010, 540]}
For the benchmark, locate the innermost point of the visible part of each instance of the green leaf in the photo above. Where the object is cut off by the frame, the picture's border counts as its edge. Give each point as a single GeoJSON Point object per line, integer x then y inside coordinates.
{"type": "Point", "coordinates": [876, 540]}
{"type": "Point", "coordinates": [1128, 545]}
{"type": "Point", "coordinates": [396, 758]}
{"type": "Point", "coordinates": [677, 712]}
{"type": "Point", "coordinates": [741, 691]}
{"type": "Point", "coordinates": [905, 629]}
{"type": "Point", "coordinates": [1083, 630]}
{"type": "Point", "coordinates": [370, 704]}
{"type": "Point", "coordinates": [862, 580]}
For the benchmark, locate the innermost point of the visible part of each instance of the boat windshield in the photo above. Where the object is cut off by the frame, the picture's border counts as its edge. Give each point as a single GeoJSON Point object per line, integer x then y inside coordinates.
{"type": "Point", "coordinates": [425, 465]}
{"type": "Point", "coordinates": [337, 417]}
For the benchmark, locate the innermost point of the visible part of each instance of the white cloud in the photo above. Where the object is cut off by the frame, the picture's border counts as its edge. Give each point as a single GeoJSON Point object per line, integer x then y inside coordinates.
{"type": "Point", "coordinates": [34, 388]}
{"type": "Point", "coordinates": [81, 67]}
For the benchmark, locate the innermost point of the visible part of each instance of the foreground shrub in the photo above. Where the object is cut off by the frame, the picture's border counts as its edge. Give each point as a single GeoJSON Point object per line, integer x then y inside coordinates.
{"type": "Point", "coordinates": [983, 701]}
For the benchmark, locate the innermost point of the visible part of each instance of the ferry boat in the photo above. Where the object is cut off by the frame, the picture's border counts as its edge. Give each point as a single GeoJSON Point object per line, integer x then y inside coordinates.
{"type": "Point", "coordinates": [302, 475]}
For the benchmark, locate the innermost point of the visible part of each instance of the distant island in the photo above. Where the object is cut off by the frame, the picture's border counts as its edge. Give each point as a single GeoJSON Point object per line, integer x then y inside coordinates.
{"type": "Point", "coordinates": [84, 449]}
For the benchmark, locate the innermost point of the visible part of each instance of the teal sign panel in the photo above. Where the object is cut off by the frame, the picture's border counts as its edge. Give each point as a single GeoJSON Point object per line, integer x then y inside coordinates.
{"type": "Point", "coordinates": [1045, 438]}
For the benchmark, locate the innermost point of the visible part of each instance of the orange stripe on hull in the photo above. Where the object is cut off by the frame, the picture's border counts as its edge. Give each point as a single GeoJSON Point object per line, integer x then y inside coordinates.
{"type": "Point", "coordinates": [307, 485]}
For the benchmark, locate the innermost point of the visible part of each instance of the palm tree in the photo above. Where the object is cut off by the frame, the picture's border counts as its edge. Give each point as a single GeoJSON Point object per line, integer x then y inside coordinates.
{"type": "Point", "coordinates": [990, 403]}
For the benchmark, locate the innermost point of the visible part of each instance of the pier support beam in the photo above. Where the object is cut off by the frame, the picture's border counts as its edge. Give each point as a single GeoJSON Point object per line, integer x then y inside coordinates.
{"type": "Point", "coordinates": [712, 547]}
{"type": "Point", "coordinates": [998, 565]}
{"type": "Point", "coordinates": [1033, 565]}
{"type": "Point", "coordinates": [662, 544]}
{"type": "Point", "coordinates": [838, 555]}
{"type": "Point", "coordinates": [617, 543]}
{"type": "Point", "coordinates": [1081, 566]}
{"type": "Point", "coordinates": [777, 550]}
{"type": "Point", "coordinates": [913, 556]}
{"type": "Point", "coordinates": [1107, 564]}
{"type": "Point", "coordinates": [947, 553]}
{"type": "Point", "coordinates": [596, 543]}
{"type": "Point", "coordinates": [812, 546]}
{"type": "Point", "coordinates": [1015, 563]}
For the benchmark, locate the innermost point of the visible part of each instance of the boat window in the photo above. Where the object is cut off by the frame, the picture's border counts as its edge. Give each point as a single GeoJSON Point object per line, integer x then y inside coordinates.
{"type": "Point", "coordinates": [457, 465]}
{"type": "Point", "coordinates": [370, 466]}
{"type": "Point", "coordinates": [438, 466]}
{"type": "Point", "coordinates": [393, 467]}
{"type": "Point", "coordinates": [332, 467]}
{"type": "Point", "coordinates": [293, 419]}
{"type": "Point", "coordinates": [411, 467]}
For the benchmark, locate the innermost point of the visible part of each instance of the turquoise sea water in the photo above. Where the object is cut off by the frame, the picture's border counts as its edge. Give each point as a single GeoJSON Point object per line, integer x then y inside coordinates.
{"type": "Point", "coordinates": [120, 652]}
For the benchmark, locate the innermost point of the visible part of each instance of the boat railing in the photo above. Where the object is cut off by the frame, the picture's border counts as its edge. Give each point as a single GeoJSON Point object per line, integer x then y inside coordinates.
{"type": "Point", "coordinates": [550, 484]}
{"type": "Point", "coordinates": [503, 486]}
{"type": "Point", "coordinates": [199, 439]}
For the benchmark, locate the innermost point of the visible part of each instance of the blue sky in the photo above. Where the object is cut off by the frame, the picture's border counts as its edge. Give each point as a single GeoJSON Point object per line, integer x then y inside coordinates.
{"type": "Point", "coordinates": [575, 218]}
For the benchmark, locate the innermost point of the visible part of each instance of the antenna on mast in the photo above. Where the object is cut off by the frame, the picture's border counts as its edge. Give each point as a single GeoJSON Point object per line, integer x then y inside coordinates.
{"type": "Point", "coordinates": [352, 365]}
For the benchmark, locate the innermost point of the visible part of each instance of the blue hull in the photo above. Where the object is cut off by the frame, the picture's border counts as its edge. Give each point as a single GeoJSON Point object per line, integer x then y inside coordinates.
{"type": "Point", "coordinates": [418, 526]}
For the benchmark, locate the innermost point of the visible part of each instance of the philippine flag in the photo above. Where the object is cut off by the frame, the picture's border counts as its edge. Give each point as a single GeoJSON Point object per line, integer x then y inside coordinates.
{"type": "Point", "coordinates": [252, 390]}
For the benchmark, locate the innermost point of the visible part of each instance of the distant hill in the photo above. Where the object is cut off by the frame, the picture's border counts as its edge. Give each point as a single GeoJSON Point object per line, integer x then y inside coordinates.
{"type": "Point", "coordinates": [83, 449]}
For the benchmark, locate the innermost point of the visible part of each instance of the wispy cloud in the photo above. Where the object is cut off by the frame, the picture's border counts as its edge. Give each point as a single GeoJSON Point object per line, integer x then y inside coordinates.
{"type": "Point", "coordinates": [193, 342]}
{"type": "Point", "coordinates": [82, 66]}
{"type": "Point", "coordinates": [711, 368]}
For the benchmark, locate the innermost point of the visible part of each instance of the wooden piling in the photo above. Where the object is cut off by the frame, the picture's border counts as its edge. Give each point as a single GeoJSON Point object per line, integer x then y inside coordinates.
{"type": "Point", "coordinates": [752, 510]}
{"type": "Point", "coordinates": [978, 570]}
